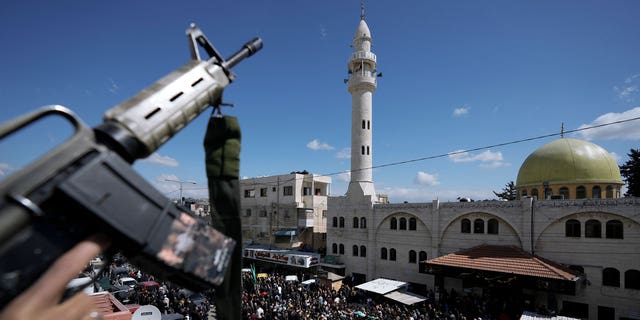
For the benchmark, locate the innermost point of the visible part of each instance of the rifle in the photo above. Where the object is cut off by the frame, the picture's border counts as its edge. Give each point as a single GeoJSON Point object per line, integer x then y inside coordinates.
{"type": "Point", "coordinates": [86, 184]}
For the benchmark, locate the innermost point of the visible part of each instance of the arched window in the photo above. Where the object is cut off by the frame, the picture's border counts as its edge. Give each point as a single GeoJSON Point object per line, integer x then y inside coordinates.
{"type": "Point", "coordinates": [392, 254]}
{"type": "Point", "coordinates": [363, 124]}
{"type": "Point", "coordinates": [412, 256]}
{"type": "Point", "coordinates": [465, 226]}
{"type": "Point", "coordinates": [334, 248]}
{"type": "Point", "coordinates": [341, 222]}
{"type": "Point", "coordinates": [335, 222]}
{"type": "Point", "coordinates": [581, 192]}
{"type": "Point", "coordinates": [609, 192]}
{"type": "Point", "coordinates": [383, 253]}
{"type": "Point", "coordinates": [614, 229]}
{"type": "Point", "coordinates": [534, 193]}
{"type": "Point", "coordinates": [341, 249]}
{"type": "Point", "coordinates": [363, 251]}
{"type": "Point", "coordinates": [564, 192]}
{"type": "Point", "coordinates": [422, 256]}
{"type": "Point", "coordinates": [394, 223]}
{"type": "Point", "coordinates": [611, 277]}
{"type": "Point", "coordinates": [403, 223]}
{"type": "Point", "coordinates": [524, 193]}
{"type": "Point", "coordinates": [596, 192]}
{"type": "Point", "coordinates": [478, 226]}
{"type": "Point", "coordinates": [412, 223]}
{"type": "Point", "coordinates": [492, 226]}
{"type": "Point", "coordinates": [355, 250]}
{"type": "Point", "coordinates": [593, 229]}
{"type": "Point", "coordinates": [572, 228]}
{"type": "Point", "coordinates": [363, 223]}
{"type": "Point", "coordinates": [355, 222]}
{"type": "Point", "coordinates": [632, 279]}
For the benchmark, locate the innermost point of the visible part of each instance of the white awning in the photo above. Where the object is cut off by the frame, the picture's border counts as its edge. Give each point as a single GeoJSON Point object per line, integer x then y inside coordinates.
{"type": "Point", "coordinates": [381, 285]}
{"type": "Point", "coordinates": [407, 298]}
{"type": "Point", "coordinates": [527, 315]}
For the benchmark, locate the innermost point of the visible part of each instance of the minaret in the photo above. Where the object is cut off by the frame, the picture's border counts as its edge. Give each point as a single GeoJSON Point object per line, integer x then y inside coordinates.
{"type": "Point", "coordinates": [362, 84]}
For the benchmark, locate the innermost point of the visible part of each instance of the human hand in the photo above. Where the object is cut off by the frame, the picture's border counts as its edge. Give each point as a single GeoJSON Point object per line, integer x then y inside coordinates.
{"type": "Point", "coordinates": [41, 301]}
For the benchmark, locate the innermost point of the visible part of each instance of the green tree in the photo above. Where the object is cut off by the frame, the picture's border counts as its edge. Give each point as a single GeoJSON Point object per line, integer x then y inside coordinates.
{"type": "Point", "coordinates": [509, 192]}
{"type": "Point", "coordinates": [630, 170]}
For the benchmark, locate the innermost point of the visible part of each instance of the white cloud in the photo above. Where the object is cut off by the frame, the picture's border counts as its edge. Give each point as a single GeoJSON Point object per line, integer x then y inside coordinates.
{"type": "Point", "coordinates": [323, 32]}
{"type": "Point", "coordinates": [631, 78]}
{"type": "Point", "coordinates": [426, 179]}
{"type": "Point", "coordinates": [458, 112]}
{"type": "Point", "coordinates": [487, 159]}
{"type": "Point", "coordinates": [317, 145]}
{"type": "Point", "coordinates": [344, 176]}
{"type": "Point", "coordinates": [626, 93]}
{"type": "Point", "coordinates": [464, 156]}
{"type": "Point", "coordinates": [166, 161]}
{"type": "Point", "coordinates": [345, 153]}
{"type": "Point", "coordinates": [629, 130]}
{"type": "Point", "coordinates": [114, 88]}
{"type": "Point", "coordinates": [171, 189]}
{"type": "Point", "coordinates": [5, 169]}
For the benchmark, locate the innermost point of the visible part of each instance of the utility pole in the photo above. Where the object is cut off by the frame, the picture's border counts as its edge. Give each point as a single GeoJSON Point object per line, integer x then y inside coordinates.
{"type": "Point", "coordinates": [181, 182]}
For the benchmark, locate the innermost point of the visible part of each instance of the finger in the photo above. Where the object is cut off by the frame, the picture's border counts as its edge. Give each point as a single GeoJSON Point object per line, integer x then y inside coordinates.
{"type": "Point", "coordinates": [77, 307]}
{"type": "Point", "coordinates": [48, 290]}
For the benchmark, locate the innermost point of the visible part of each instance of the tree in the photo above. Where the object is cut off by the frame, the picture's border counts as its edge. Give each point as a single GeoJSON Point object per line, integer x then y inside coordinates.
{"type": "Point", "coordinates": [630, 170]}
{"type": "Point", "coordinates": [509, 192]}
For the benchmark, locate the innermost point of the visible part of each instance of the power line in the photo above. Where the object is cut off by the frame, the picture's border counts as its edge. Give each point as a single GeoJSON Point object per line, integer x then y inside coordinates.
{"type": "Point", "coordinates": [391, 164]}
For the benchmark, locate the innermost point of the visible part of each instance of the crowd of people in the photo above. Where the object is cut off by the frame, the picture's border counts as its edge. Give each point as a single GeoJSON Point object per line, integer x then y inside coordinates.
{"type": "Point", "coordinates": [275, 297]}
{"type": "Point", "coordinates": [168, 298]}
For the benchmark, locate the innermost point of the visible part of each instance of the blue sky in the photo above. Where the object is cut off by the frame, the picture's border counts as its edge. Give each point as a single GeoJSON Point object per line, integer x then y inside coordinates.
{"type": "Point", "coordinates": [457, 75]}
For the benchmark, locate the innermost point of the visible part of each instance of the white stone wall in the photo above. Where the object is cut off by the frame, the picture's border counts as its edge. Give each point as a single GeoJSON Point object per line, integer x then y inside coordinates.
{"type": "Point", "coordinates": [534, 226]}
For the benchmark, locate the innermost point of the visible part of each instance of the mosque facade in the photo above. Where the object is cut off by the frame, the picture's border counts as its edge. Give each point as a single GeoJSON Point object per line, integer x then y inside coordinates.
{"type": "Point", "coordinates": [569, 243]}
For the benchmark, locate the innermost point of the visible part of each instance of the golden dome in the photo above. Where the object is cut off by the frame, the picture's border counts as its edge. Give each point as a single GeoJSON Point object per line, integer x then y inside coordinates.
{"type": "Point", "coordinates": [569, 161]}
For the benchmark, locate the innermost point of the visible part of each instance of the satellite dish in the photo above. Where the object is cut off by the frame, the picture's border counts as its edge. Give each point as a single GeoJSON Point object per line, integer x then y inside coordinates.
{"type": "Point", "coordinates": [148, 312]}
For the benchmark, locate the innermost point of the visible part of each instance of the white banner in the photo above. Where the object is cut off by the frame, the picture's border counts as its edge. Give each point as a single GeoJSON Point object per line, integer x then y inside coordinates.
{"type": "Point", "coordinates": [291, 258]}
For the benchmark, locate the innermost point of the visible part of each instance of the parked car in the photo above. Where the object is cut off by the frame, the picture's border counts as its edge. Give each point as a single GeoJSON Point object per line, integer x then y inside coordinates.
{"type": "Point", "coordinates": [127, 281]}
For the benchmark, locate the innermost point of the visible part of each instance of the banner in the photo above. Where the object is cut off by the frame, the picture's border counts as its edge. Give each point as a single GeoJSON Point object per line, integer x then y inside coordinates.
{"type": "Point", "coordinates": [291, 258]}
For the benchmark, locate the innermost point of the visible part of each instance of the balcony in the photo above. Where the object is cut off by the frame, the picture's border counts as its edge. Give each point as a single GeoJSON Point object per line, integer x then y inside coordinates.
{"type": "Point", "coordinates": [363, 55]}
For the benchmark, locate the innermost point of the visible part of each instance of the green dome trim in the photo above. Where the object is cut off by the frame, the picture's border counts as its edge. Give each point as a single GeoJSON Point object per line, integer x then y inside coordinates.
{"type": "Point", "coordinates": [569, 161]}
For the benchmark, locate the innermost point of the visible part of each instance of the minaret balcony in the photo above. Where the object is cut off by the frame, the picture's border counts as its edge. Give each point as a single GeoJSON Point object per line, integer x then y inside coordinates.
{"type": "Point", "coordinates": [363, 55]}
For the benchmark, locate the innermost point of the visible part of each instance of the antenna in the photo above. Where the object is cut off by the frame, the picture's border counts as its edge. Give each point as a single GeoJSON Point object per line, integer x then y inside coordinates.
{"type": "Point", "coordinates": [181, 182]}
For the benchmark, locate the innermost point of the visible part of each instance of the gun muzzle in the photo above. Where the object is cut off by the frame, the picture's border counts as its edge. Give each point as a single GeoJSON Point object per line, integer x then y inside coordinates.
{"type": "Point", "coordinates": [247, 50]}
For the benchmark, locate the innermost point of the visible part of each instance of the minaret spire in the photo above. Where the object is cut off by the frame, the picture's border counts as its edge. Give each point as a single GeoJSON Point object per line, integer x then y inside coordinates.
{"type": "Point", "coordinates": [362, 10]}
{"type": "Point", "coordinates": [562, 131]}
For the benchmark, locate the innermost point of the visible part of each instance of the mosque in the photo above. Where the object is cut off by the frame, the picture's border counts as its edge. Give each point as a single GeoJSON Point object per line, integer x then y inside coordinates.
{"type": "Point", "coordinates": [569, 243]}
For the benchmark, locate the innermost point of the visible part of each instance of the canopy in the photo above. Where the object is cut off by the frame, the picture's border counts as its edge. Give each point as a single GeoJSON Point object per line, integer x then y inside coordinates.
{"type": "Point", "coordinates": [382, 286]}
{"type": "Point", "coordinates": [407, 298]}
{"type": "Point", "coordinates": [285, 233]}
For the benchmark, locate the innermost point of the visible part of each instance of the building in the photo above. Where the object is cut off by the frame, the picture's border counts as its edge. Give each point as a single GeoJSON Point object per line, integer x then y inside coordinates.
{"type": "Point", "coordinates": [285, 211]}
{"type": "Point", "coordinates": [575, 250]}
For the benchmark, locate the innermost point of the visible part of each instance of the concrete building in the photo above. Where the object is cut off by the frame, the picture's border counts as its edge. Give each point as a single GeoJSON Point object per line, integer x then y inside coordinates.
{"type": "Point", "coordinates": [575, 250]}
{"type": "Point", "coordinates": [285, 211]}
